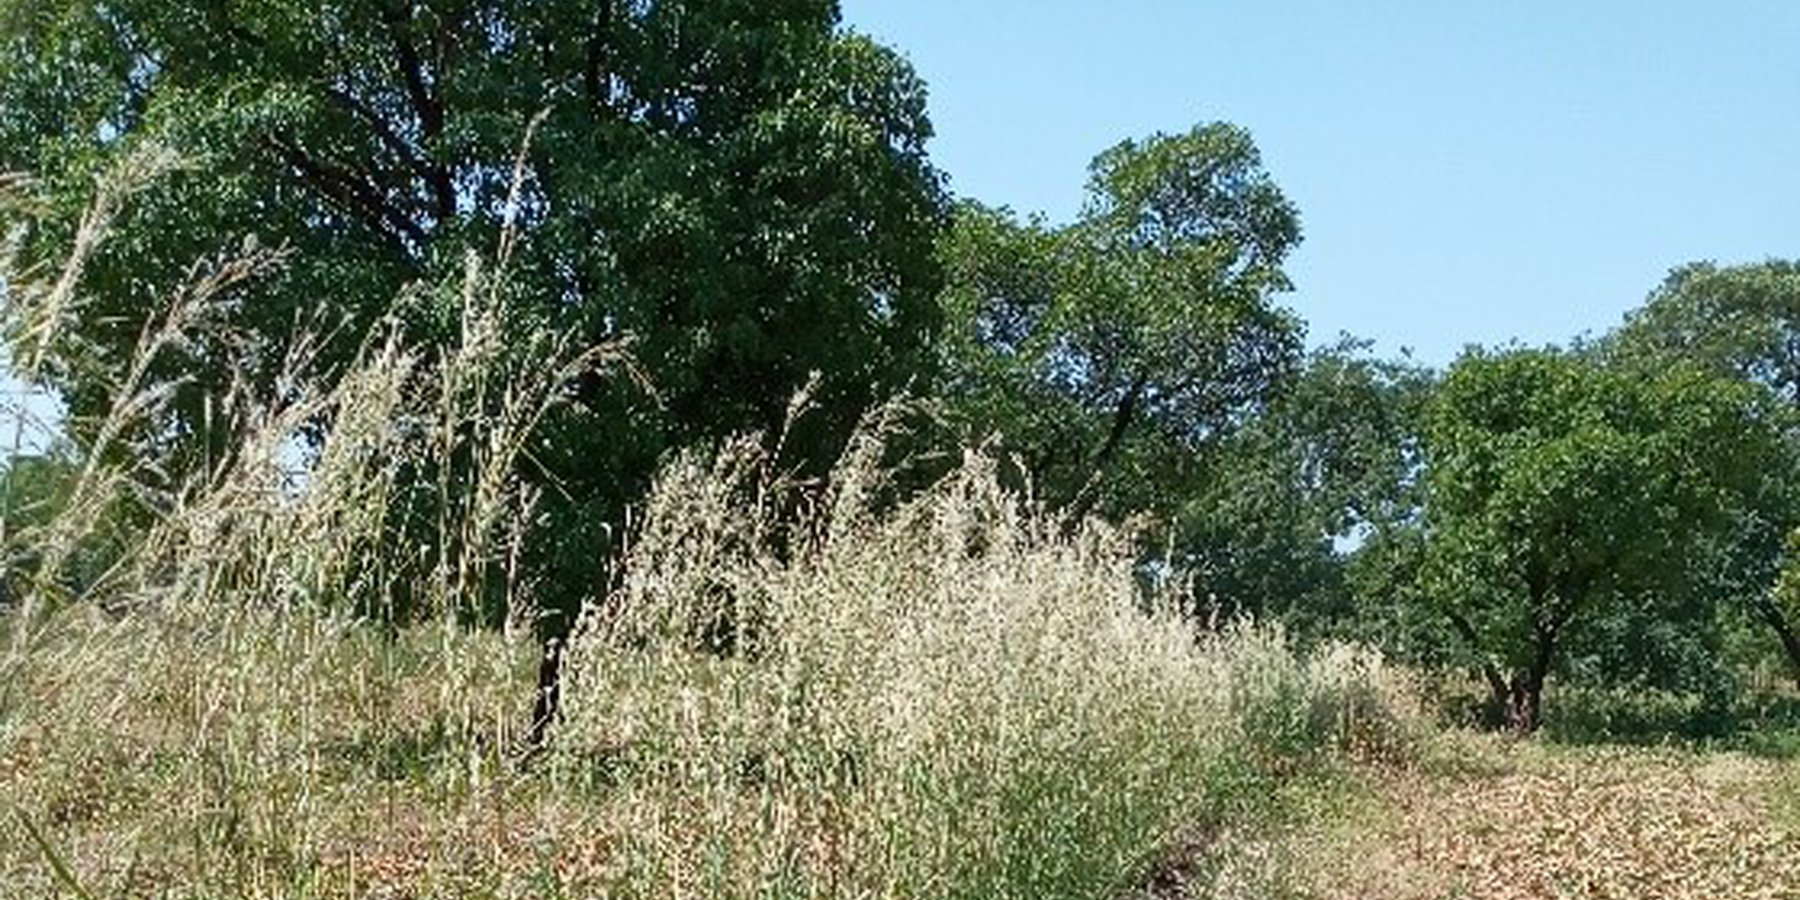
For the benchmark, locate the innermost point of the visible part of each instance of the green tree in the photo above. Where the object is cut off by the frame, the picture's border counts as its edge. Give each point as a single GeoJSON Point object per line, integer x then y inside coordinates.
{"type": "Point", "coordinates": [740, 185]}
{"type": "Point", "coordinates": [1740, 322]}
{"type": "Point", "coordinates": [1111, 351]}
{"type": "Point", "coordinates": [33, 488]}
{"type": "Point", "coordinates": [1561, 490]}
{"type": "Point", "coordinates": [36, 488]}
{"type": "Point", "coordinates": [1303, 488]}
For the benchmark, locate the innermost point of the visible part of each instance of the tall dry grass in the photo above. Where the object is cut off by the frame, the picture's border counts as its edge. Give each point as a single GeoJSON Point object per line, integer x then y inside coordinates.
{"type": "Point", "coordinates": [948, 698]}
{"type": "Point", "coordinates": [795, 690]}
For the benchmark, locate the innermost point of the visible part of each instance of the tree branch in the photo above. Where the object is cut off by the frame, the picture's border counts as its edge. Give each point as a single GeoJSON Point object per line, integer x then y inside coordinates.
{"type": "Point", "coordinates": [1790, 641]}
{"type": "Point", "coordinates": [384, 131]}
{"type": "Point", "coordinates": [428, 108]}
{"type": "Point", "coordinates": [348, 189]}
{"type": "Point", "coordinates": [1122, 418]}
{"type": "Point", "coordinates": [1489, 671]}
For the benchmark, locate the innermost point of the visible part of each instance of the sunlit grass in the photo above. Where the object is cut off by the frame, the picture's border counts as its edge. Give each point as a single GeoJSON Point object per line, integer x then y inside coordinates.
{"type": "Point", "coordinates": [836, 689]}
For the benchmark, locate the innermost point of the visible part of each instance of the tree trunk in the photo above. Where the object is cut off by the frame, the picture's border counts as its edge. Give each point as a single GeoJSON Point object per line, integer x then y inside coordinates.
{"type": "Point", "coordinates": [549, 694]}
{"type": "Point", "coordinates": [1790, 642]}
{"type": "Point", "coordinates": [1524, 703]}
{"type": "Point", "coordinates": [1085, 500]}
{"type": "Point", "coordinates": [1497, 686]}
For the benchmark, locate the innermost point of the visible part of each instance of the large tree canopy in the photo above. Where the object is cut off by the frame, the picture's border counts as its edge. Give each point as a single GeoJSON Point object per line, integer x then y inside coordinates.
{"type": "Point", "coordinates": [1740, 322]}
{"type": "Point", "coordinates": [1329, 469]}
{"type": "Point", "coordinates": [741, 186]}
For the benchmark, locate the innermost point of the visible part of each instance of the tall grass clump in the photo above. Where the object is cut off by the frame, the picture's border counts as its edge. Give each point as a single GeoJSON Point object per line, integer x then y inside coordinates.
{"type": "Point", "coordinates": [251, 672]}
{"type": "Point", "coordinates": [268, 672]}
{"type": "Point", "coordinates": [947, 695]}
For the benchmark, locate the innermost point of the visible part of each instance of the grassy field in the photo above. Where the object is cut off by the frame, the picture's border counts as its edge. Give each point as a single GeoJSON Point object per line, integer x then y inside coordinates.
{"type": "Point", "coordinates": [291, 754]}
{"type": "Point", "coordinates": [1483, 817]}
{"type": "Point", "coordinates": [870, 685]}
{"type": "Point", "coordinates": [948, 699]}
{"type": "Point", "coordinates": [284, 755]}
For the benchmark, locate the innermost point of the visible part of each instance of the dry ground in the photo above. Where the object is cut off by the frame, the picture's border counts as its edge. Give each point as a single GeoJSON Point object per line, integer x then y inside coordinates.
{"type": "Point", "coordinates": [1496, 821]}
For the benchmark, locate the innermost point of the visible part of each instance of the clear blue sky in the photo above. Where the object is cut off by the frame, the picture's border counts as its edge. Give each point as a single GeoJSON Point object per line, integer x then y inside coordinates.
{"type": "Point", "coordinates": [1466, 172]}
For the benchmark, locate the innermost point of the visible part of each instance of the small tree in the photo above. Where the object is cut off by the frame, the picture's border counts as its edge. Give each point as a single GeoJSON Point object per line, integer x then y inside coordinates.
{"type": "Point", "coordinates": [1561, 490]}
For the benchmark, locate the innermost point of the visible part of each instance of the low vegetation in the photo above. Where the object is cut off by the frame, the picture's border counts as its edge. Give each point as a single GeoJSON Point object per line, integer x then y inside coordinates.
{"type": "Point", "coordinates": [948, 697]}
{"type": "Point", "coordinates": [793, 687]}
{"type": "Point", "coordinates": [540, 448]}
{"type": "Point", "coordinates": [1504, 820]}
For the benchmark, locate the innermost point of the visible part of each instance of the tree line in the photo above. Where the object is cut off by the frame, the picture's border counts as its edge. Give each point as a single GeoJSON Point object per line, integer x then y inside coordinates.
{"type": "Point", "coordinates": [740, 193]}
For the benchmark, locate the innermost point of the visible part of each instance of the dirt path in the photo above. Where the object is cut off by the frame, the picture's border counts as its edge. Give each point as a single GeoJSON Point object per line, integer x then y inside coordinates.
{"type": "Point", "coordinates": [1498, 822]}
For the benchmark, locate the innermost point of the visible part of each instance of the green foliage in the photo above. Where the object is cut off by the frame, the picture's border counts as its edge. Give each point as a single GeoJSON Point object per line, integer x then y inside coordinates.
{"type": "Point", "coordinates": [1111, 351]}
{"type": "Point", "coordinates": [742, 187]}
{"type": "Point", "coordinates": [1596, 714]}
{"type": "Point", "coordinates": [1562, 490]}
{"type": "Point", "coordinates": [1327, 471]}
{"type": "Point", "coordinates": [796, 677]}
{"type": "Point", "coordinates": [34, 489]}
{"type": "Point", "coordinates": [1742, 321]}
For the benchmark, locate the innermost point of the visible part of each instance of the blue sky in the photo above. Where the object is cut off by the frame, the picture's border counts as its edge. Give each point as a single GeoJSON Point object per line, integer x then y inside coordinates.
{"type": "Point", "coordinates": [1466, 172]}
